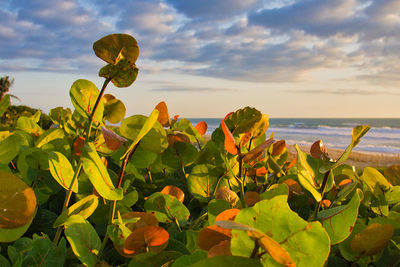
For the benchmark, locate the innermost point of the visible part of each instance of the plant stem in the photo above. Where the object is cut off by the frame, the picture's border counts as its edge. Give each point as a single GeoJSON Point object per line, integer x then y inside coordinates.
{"type": "Point", "coordinates": [323, 187]}
{"type": "Point", "coordinates": [78, 170]}
{"type": "Point", "coordinates": [114, 205]}
{"type": "Point", "coordinates": [96, 104]}
{"type": "Point", "coordinates": [177, 224]}
{"type": "Point", "coordinates": [240, 160]}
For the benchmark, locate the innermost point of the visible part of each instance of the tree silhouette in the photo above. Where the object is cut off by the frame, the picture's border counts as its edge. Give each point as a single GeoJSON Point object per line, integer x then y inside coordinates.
{"type": "Point", "coordinates": [5, 84]}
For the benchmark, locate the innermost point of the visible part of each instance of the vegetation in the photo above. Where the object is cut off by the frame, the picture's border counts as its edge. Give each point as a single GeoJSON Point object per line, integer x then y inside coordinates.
{"type": "Point", "coordinates": [154, 192]}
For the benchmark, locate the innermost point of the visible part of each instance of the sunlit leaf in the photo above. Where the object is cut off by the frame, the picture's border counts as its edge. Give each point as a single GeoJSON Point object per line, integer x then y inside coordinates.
{"type": "Point", "coordinates": [114, 109]}
{"type": "Point", "coordinates": [17, 201]}
{"type": "Point", "coordinates": [4, 104]}
{"type": "Point", "coordinates": [227, 215]}
{"type": "Point", "coordinates": [261, 126]}
{"type": "Point", "coordinates": [375, 180]}
{"type": "Point", "coordinates": [201, 127]}
{"type": "Point", "coordinates": [173, 191]}
{"type": "Point", "coordinates": [392, 174]}
{"type": "Point", "coordinates": [307, 243]}
{"type": "Point", "coordinates": [62, 171]}
{"type": "Point", "coordinates": [306, 175]}
{"type": "Point", "coordinates": [83, 95]}
{"type": "Point", "coordinates": [98, 174]}
{"type": "Point", "coordinates": [229, 143]}
{"type": "Point", "coordinates": [243, 120]}
{"type": "Point", "coordinates": [145, 219]}
{"type": "Point", "coordinates": [122, 74]}
{"type": "Point", "coordinates": [49, 135]}
{"type": "Point", "coordinates": [245, 139]}
{"type": "Point", "coordinates": [84, 207]}
{"type": "Point", "coordinates": [148, 238]}
{"type": "Point", "coordinates": [233, 261]}
{"type": "Point", "coordinates": [115, 47]}
{"type": "Point", "coordinates": [28, 125]}
{"type": "Point", "coordinates": [10, 147]}
{"type": "Point", "coordinates": [372, 239]}
{"type": "Point", "coordinates": [215, 207]}
{"type": "Point", "coordinates": [163, 116]}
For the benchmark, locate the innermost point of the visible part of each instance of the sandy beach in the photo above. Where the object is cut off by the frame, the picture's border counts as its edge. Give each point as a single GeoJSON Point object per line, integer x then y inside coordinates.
{"type": "Point", "coordinates": [359, 159]}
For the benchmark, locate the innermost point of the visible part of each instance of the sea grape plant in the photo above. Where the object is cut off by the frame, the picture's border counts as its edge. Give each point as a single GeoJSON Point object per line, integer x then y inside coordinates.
{"type": "Point", "coordinates": [156, 192]}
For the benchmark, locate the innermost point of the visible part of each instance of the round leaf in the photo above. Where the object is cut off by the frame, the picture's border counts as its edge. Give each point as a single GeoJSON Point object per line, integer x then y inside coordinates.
{"type": "Point", "coordinates": [17, 201]}
{"type": "Point", "coordinates": [115, 47]}
{"type": "Point", "coordinates": [148, 238]}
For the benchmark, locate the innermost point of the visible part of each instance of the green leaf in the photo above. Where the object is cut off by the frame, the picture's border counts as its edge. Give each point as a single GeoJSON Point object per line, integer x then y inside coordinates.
{"type": "Point", "coordinates": [28, 125]}
{"type": "Point", "coordinates": [42, 252]}
{"type": "Point", "coordinates": [59, 115]}
{"type": "Point", "coordinates": [203, 182]}
{"type": "Point", "coordinates": [339, 221]}
{"type": "Point", "coordinates": [188, 260]}
{"type": "Point", "coordinates": [10, 235]}
{"type": "Point", "coordinates": [84, 240]}
{"type": "Point", "coordinates": [166, 208]}
{"type": "Point", "coordinates": [357, 133]}
{"type": "Point", "coordinates": [62, 171]}
{"type": "Point", "coordinates": [233, 261]}
{"type": "Point", "coordinates": [83, 95]}
{"type": "Point", "coordinates": [98, 174]}
{"type": "Point", "coordinates": [307, 243]}
{"type": "Point", "coordinates": [114, 47]}
{"type": "Point", "coordinates": [123, 74]}
{"type": "Point", "coordinates": [375, 181]}
{"type": "Point", "coordinates": [393, 195]}
{"type": "Point", "coordinates": [4, 104]}
{"type": "Point", "coordinates": [114, 111]}
{"type": "Point", "coordinates": [84, 207]}
{"type": "Point", "coordinates": [148, 131]}
{"type": "Point", "coordinates": [49, 135]}
{"type": "Point", "coordinates": [10, 147]}
{"type": "Point", "coordinates": [151, 259]}
{"type": "Point", "coordinates": [3, 261]}
{"type": "Point", "coordinates": [243, 120]}
{"type": "Point", "coordinates": [306, 175]}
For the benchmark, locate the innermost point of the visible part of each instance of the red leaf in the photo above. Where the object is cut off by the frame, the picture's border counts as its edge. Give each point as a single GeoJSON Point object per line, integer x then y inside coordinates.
{"type": "Point", "coordinates": [229, 143]}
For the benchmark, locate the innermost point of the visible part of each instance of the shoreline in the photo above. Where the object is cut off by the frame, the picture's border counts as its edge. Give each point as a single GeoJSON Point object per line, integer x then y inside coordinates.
{"type": "Point", "coordinates": [359, 159]}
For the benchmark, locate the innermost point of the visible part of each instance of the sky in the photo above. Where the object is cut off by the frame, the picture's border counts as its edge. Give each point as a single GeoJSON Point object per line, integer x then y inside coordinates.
{"type": "Point", "coordinates": [206, 58]}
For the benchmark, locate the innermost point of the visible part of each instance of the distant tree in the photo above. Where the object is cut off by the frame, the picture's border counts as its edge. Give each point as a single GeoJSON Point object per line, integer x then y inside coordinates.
{"type": "Point", "coordinates": [5, 85]}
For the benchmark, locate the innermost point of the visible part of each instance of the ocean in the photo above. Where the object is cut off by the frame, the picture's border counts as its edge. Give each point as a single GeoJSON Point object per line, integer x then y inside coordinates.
{"type": "Point", "coordinates": [383, 137]}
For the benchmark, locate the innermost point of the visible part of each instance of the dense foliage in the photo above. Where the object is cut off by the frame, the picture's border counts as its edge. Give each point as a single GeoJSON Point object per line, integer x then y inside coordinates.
{"type": "Point", "coordinates": [154, 192]}
{"type": "Point", "coordinates": [10, 117]}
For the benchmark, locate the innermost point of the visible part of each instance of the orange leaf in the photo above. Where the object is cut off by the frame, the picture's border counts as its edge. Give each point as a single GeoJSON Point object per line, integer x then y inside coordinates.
{"type": "Point", "coordinates": [278, 147]}
{"type": "Point", "coordinates": [113, 140]}
{"type": "Point", "coordinates": [294, 187]}
{"type": "Point", "coordinates": [227, 215]}
{"type": "Point", "coordinates": [201, 127]}
{"type": "Point", "coordinates": [222, 248]}
{"type": "Point", "coordinates": [261, 171]}
{"type": "Point", "coordinates": [174, 191]}
{"type": "Point", "coordinates": [148, 238]}
{"type": "Point", "coordinates": [163, 115]}
{"type": "Point", "coordinates": [251, 198]}
{"type": "Point", "coordinates": [212, 235]}
{"type": "Point", "coordinates": [345, 182]}
{"type": "Point", "coordinates": [174, 120]}
{"type": "Point", "coordinates": [318, 150]}
{"type": "Point", "coordinates": [277, 252]}
{"type": "Point", "coordinates": [326, 203]}
{"type": "Point", "coordinates": [107, 98]}
{"type": "Point", "coordinates": [258, 151]}
{"type": "Point", "coordinates": [78, 145]}
{"type": "Point", "coordinates": [146, 219]}
{"type": "Point", "coordinates": [177, 137]}
{"type": "Point", "coordinates": [229, 143]}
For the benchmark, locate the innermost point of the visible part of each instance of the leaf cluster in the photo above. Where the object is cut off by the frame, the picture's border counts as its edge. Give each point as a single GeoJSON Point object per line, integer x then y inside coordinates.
{"type": "Point", "coordinates": [156, 192]}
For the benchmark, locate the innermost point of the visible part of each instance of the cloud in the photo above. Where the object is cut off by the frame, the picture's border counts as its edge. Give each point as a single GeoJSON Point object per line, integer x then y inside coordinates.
{"type": "Point", "coordinates": [166, 86]}
{"type": "Point", "coordinates": [344, 92]}
{"type": "Point", "coordinates": [214, 9]}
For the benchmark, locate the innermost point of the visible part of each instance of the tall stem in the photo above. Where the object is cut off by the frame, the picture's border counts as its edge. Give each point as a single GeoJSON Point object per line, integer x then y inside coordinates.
{"type": "Point", "coordinates": [113, 207]}
{"type": "Point", "coordinates": [323, 187]}
{"type": "Point", "coordinates": [96, 104]}
{"type": "Point", "coordinates": [240, 159]}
